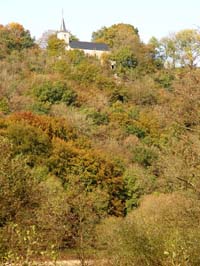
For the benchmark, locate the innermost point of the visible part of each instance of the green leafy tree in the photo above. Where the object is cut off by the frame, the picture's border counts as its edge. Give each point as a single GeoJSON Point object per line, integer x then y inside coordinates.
{"type": "Point", "coordinates": [116, 36]}
{"type": "Point", "coordinates": [55, 92]}
{"type": "Point", "coordinates": [55, 46]}
{"type": "Point", "coordinates": [14, 37]}
{"type": "Point", "coordinates": [181, 48]}
{"type": "Point", "coordinates": [125, 59]}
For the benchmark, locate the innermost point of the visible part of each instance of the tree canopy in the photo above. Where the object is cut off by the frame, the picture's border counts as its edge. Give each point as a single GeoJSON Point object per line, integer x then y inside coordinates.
{"type": "Point", "coordinates": [14, 37]}
{"type": "Point", "coordinates": [181, 49]}
{"type": "Point", "coordinates": [117, 35]}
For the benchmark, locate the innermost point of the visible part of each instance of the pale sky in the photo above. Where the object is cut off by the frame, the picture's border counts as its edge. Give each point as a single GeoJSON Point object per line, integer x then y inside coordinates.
{"type": "Point", "coordinates": [152, 17]}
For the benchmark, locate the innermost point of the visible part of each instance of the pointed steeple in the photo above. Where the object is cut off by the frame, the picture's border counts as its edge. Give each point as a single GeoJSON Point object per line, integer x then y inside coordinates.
{"type": "Point", "coordinates": [63, 27]}
{"type": "Point", "coordinates": [63, 33]}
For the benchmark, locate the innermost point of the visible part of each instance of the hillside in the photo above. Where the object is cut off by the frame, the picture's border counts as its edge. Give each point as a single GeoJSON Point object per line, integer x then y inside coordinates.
{"type": "Point", "coordinates": [101, 159]}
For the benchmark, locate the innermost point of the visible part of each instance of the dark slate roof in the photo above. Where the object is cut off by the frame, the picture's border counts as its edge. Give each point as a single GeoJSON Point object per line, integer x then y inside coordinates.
{"type": "Point", "coordinates": [89, 46]}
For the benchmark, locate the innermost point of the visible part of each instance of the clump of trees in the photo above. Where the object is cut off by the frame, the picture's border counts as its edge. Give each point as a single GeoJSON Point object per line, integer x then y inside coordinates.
{"type": "Point", "coordinates": [179, 49]}
{"type": "Point", "coordinates": [14, 37]}
{"type": "Point", "coordinates": [127, 50]}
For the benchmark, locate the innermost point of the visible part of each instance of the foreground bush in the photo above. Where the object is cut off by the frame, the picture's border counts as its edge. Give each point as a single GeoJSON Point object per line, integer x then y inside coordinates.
{"type": "Point", "coordinates": [163, 231]}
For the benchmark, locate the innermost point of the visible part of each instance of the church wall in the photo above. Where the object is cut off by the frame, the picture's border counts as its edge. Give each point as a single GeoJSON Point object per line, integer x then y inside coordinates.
{"type": "Point", "coordinates": [63, 36]}
{"type": "Point", "coordinates": [91, 52]}
{"type": "Point", "coordinates": [95, 53]}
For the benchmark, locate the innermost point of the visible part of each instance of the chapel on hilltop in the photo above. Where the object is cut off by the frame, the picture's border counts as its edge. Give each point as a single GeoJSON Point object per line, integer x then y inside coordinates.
{"type": "Point", "coordinates": [90, 48]}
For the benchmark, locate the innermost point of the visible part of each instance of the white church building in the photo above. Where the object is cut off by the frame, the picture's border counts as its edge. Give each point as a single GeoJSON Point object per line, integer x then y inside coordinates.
{"type": "Point", "coordinates": [90, 48]}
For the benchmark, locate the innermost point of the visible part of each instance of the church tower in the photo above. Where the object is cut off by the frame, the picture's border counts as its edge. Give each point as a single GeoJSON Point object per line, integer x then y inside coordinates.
{"type": "Point", "coordinates": [63, 34]}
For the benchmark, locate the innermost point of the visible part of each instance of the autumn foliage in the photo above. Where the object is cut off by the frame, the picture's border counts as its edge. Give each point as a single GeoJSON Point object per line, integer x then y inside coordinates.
{"type": "Point", "coordinates": [94, 158]}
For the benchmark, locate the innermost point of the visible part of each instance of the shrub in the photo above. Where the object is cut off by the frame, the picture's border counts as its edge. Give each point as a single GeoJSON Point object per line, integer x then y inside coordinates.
{"type": "Point", "coordinates": [144, 92]}
{"type": "Point", "coordinates": [163, 231]}
{"type": "Point", "coordinates": [29, 140]}
{"type": "Point", "coordinates": [119, 94]}
{"type": "Point", "coordinates": [4, 106]}
{"type": "Point", "coordinates": [99, 118]}
{"type": "Point", "coordinates": [138, 182]}
{"type": "Point", "coordinates": [69, 97]}
{"type": "Point", "coordinates": [135, 130]}
{"type": "Point", "coordinates": [55, 92]}
{"type": "Point", "coordinates": [144, 155]}
{"type": "Point", "coordinates": [40, 107]}
{"type": "Point", "coordinates": [165, 79]}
